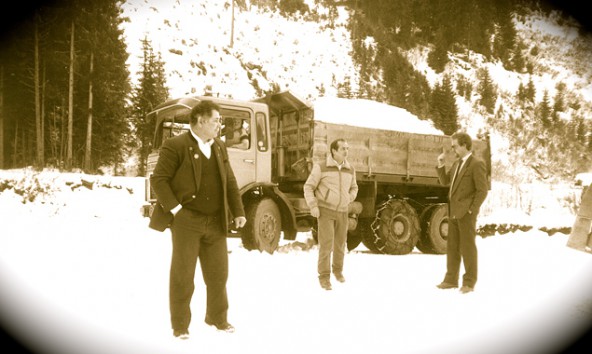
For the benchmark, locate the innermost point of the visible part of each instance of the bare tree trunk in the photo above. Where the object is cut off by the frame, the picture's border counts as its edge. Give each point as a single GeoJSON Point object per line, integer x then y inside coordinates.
{"type": "Point", "coordinates": [38, 131]}
{"type": "Point", "coordinates": [87, 155]}
{"type": "Point", "coordinates": [63, 130]}
{"type": "Point", "coordinates": [70, 102]}
{"type": "Point", "coordinates": [53, 137]}
{"type": "Point", "coordinates": [2, 117]}
{"type": "Point", "coordinates": [43, 111]}
{"type": "Point", "coordinates": [232, 26]}
{"type": "Point", "coordinates": [15, 150]}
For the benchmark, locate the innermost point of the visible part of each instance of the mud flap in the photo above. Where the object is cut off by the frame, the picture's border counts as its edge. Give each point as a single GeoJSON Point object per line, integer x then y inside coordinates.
{"type": "Point", "coordinates": [581, 235]}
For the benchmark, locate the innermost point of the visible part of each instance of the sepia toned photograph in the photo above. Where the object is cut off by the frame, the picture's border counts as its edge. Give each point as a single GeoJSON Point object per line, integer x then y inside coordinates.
{"type": "Point", "coordinates": [295, 176]}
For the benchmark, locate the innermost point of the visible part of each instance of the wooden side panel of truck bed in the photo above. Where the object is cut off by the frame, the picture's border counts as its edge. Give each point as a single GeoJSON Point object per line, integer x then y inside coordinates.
{"type": "Point", "coordinates": [376, 152]}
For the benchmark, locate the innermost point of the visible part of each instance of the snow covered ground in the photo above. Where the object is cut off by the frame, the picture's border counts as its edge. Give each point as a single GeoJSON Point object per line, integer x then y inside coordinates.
{"type": "Point", "coordinates": [80, 272]}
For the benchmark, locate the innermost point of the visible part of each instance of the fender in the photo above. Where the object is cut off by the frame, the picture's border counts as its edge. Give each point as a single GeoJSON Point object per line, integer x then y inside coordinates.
{"type": "Point", "coordinates": [257, 190]}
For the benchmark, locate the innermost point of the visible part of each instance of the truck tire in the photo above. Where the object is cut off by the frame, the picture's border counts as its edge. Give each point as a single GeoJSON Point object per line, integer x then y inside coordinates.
{"type": "Point", "coordinates": [263, 228]}
{"type": "Point", "coordinates": [354, 237]}
{"type": "Point", "coordinates": [368, 238]}
{"type": "Point", "coordinates": [398, 228]}
{"type": "Point", "coordinates": [423, 244]}
{"type": "Point", "coordinates": [434, 230]}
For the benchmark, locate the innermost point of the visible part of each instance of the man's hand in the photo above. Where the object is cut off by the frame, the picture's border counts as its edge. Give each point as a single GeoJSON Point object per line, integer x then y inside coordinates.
{"type": "Point", "coordinates": [314, 212]}
{"type": "Point", "coordinates": [176, 209]}
{"type": "Point", "coordinates": [240, 221]}
{"type": "Point", "coordinates": [441, 159]}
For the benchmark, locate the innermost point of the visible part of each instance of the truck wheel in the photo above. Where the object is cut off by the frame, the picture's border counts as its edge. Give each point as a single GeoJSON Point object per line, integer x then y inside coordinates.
{"type": "Point", "coordinates": [398, 229]}
{"type": "Point", "coordinates": [423, 244]}
{"type": "Point", "coordinates": [354, 237]}
{"type": "Point", "coordinates": [368, 238]}
{"type": "Point", "coordinates": [434, 230]}
{"type": "Point", "coordinates": [263, 228]}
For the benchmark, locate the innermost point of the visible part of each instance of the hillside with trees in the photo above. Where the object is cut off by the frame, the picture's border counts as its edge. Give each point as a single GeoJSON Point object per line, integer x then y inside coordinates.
{"type": "Point", "coordinates": [76, 80]}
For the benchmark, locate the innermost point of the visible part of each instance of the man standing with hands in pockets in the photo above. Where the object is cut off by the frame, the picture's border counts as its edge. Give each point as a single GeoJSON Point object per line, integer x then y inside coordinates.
{"type": "Point", "coordinates": [329, 189]}
{"type": "Point", "coordinates": [196, 190]}
{"type": "Point", "coordinates": [468, 189]}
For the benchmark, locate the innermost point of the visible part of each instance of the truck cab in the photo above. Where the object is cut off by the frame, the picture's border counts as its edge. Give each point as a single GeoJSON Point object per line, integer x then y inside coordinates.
{"type": "Point", "coordinates": [246, 132]}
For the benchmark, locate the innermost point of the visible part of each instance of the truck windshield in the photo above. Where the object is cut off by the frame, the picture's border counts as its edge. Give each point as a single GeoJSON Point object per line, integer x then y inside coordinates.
{"type": "Point", "coordinates": [175, 120]}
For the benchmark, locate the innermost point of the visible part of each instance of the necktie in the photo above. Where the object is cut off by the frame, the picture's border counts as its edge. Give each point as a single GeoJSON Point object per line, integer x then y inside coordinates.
{"type": "Point", "coordinates": [455, 174]}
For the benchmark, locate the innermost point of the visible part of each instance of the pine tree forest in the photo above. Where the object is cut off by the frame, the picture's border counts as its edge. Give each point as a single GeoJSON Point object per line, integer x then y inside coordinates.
{"type": "Point", "coordinates": [63, 88]}
{"type": "Point", "coordinates": [66, 100]}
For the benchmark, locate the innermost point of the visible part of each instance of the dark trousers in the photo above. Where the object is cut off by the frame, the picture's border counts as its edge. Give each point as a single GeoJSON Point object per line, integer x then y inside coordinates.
{"type": "Point", "coordinates": [462, 247]}
{"type": "Point", "coordinates": [197, 236]}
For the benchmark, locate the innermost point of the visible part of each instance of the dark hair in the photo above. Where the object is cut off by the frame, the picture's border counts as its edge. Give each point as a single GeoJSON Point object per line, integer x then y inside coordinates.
{"type": "Point", "coordinates": [202, 109]}
{"type": "Point", "coordinates": [463, 139]}
{"type": "Point", "coordinates": [335, 145]}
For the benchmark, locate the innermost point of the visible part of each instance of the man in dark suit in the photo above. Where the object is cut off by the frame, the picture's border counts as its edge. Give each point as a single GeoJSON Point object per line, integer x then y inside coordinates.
{"type": "Point", "coordinates": [196, 190]}
{"type": "Point", "coordinates": [468, 189]}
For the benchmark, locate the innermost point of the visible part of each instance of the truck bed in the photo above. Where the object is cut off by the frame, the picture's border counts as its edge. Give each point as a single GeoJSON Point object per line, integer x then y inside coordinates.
{"type": "Point", "coordinates": [301, 137]}
{"type": "Point", "coordinates": [377, 153]}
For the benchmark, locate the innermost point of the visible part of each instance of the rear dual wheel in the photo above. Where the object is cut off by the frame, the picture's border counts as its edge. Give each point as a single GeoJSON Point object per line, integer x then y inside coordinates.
{"type": "Point", "coordinates": [434, 226]}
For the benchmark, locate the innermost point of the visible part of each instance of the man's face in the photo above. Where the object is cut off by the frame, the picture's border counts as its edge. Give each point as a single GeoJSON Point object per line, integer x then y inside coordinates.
{"type": "Point", "coordinates": [342, 151]}
{"type": "Point", "coordinates": [209, 127]}
{"type": "Point", "coordinates": [460, 151]}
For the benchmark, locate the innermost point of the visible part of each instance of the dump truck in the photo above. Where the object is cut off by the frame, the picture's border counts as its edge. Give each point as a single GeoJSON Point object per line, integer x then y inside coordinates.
{"type": "Point", "coordinates": [400, 204]}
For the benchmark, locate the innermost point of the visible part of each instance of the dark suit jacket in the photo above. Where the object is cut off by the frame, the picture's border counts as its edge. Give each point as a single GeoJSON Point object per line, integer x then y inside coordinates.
{"type": "Point", "coordinates": [470, 187]}
{"type": "Point", "coordinates": [176, 179]}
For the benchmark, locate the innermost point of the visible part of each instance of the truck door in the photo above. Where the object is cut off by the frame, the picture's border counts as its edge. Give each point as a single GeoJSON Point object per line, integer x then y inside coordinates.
{"type": "Point", "coordinates": [239, 139]}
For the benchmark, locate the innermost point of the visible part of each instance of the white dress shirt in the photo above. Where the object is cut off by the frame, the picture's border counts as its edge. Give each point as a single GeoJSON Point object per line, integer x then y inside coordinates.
{"type": "Point", "coordinates": [205, 147]}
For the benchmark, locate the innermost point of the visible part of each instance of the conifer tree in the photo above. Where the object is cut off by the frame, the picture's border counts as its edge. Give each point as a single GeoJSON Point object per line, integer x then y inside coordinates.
{"type": "Point", "coordinates": [464, 88]}
{"type": "Point", "coordinates": [530, 90]}
{"type": "Point", "coordinates": [150, 92]}
{"type": "Point", "coordinates": [487, 91]}
{"type": "Point", "coordinates": [559, 105]}
{"type": "Point", "coordinates": [43, 90]}
{"type": "Point", "coordinates": [443, 107]}
{"type": "Point", "coordinates": [517, 59]}
{"type": "Point", "coordinates": [505, 34]}
{"type": "Point", "coordinates": [544, 110]}
{"type": "Point", "coordinates": [104, 85]}
{"type": "Point", "coordinates": [438, 57]}
{"type": "Point", "coordinates": [521, 93]}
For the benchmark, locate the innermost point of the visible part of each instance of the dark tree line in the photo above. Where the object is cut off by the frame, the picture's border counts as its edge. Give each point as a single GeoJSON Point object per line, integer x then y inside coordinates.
{"type": "Point", "coordinates": [65, 94]}
{"type": "Point", "coordinates": [150, 92]}
{"type": "Point", "coordinates": [461, 26]}
{"type": "Point", "coordinates": [63, 87]}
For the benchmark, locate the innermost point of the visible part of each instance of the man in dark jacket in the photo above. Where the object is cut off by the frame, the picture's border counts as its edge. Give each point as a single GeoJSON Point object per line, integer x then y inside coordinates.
{"type": "Point", "coordinates": [196, 190]}
{"type": "Point", "coordinates": [468, 189]}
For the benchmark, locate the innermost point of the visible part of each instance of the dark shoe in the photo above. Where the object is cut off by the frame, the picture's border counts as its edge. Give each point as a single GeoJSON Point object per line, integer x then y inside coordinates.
{"type": "Point", "coordinates": [181, 333]}
{"type": "Point", "coordinates": [466, 289]}
{"type": "Point", "coordinates": [445, 285]}
{"type": "Point", "coordinates": [340, 278]}
{"type": "Point", "coordinates": [325, 284]}
{"type": "Point", "coordinates": [222, 326]}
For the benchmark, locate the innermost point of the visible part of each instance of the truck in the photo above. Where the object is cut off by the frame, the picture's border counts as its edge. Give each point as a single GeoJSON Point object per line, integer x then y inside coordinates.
{"type": "Point", "coordinates": [400, 206]}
